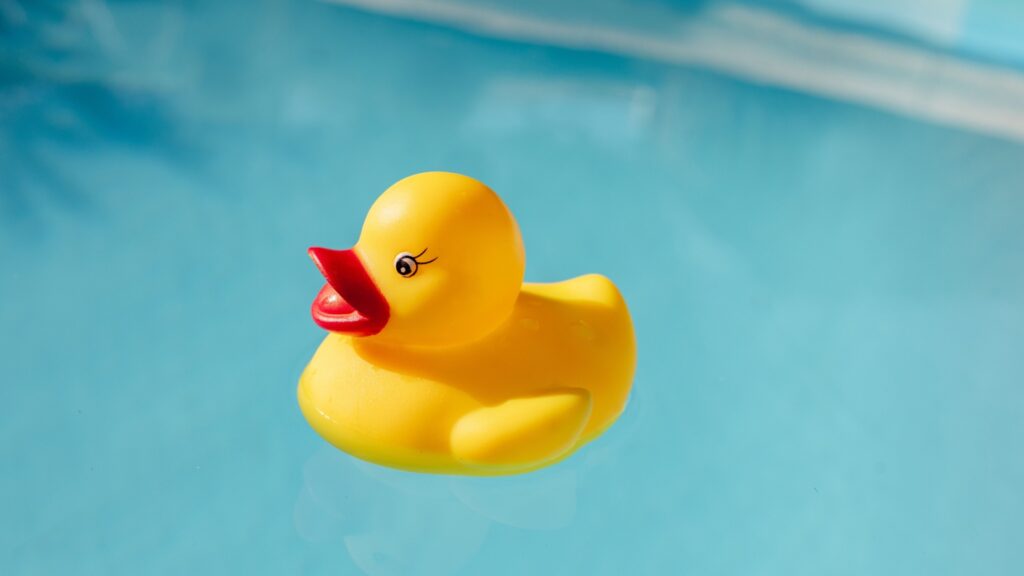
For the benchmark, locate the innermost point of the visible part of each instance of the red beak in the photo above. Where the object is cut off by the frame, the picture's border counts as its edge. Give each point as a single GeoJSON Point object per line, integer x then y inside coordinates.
{"type": "Point", "coordinates": [350, 302]}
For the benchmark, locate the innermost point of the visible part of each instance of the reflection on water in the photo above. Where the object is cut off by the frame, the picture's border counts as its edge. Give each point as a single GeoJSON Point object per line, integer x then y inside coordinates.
{"type": "Point", "coordinates": [542, 500]}
{"type": "Point", "coordinates": [394, 522]}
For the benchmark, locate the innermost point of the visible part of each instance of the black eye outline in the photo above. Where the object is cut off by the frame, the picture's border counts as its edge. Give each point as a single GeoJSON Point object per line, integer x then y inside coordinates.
{"type": "Point", "coordinates": [408, 265]}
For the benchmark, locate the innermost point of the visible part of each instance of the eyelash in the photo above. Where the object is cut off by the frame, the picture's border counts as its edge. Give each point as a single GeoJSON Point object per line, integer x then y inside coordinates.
{"type": "Point", "coordinates": [416, 258]}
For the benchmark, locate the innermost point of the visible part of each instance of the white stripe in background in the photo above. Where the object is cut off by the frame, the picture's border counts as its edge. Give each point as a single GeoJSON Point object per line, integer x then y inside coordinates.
{"type": "Point", "coordinates": [769, 48]}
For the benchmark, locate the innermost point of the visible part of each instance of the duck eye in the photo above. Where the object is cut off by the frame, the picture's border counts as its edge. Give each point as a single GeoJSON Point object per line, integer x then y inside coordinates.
{"type": "Point", "coordinates": [406, 264]}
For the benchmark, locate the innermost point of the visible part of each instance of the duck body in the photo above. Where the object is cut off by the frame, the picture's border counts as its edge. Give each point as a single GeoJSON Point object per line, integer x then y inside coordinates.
{"type": "Point", "coordinates": [566, 354]}
{"type": "Point", "coordinates": [464, 372]}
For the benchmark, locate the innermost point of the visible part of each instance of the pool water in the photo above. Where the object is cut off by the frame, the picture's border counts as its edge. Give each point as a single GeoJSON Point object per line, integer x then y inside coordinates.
{"type": "Point", "coordinates": [828, 299]}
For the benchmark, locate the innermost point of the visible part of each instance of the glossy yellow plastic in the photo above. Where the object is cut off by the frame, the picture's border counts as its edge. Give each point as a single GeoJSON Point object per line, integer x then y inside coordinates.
{"type": "Point", "coordinates": [475, 372]}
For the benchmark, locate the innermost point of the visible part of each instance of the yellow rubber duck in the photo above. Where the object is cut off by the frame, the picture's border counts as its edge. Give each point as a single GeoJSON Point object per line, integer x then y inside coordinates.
{"type": "Point", "coordinates": [440, 359]}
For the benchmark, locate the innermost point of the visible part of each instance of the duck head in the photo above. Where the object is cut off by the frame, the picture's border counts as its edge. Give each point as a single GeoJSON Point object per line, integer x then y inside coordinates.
{"type": "Point", "coordinates": [439, 262]}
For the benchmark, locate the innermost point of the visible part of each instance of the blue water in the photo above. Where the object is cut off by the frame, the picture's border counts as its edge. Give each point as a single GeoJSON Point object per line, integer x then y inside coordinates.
{"type": "Point", "coordinates": [828, 299]}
